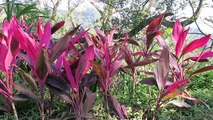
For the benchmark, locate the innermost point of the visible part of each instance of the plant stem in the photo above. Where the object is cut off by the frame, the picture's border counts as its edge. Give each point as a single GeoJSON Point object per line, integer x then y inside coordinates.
{"type": "Point", "coordinates": [42, 100]}
{"type": "Point", "coordinates": [14, 110]}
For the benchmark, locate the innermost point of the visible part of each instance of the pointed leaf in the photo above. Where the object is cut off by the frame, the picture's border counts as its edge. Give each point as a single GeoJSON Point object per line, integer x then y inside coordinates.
{"type": "Point", "coordinates": [153, 29]}
{"type": "Point", "coordinates": [180, 42]}
{"type": "Point", "coordinates": [55, 81]}
{"type": "Point", "coordinates": [42, 64]}
{"type": "Point", "coordinates": [204, 69]}
{"type": "Point", "coordinates": [203, 56]}
{"type": "Point", "coordinates": [180, 103]}
{"type": "Point", "coordinates": [84, 64]}
{"type": "Point", "coordinates": [61, 45]}
{"type": "Point", "coordinates": [45, 39]}
{"type": "Point", "coordinates": [115, 106]}
{"type": "Point", "coordinates": [177, 30]}
{"type": "Point", "coordinates": [24, 90]}
{"type": "Point", "coordinates": [57, 26]}
{"type": "Point", "coordinates": [163, 68]}
{"type": "Point", "coordinates": [71, 79]}
{"type": "Point", "coordinates": [144, 62]}
{"type": "Point", "coordinates": [28, 78]}
{"type": "Point", "coordinates": [149, 81]}
{"type": "Point", "coordinates": [196, 44]}
{"type": "Point", "coordinates": [89, 101]}
{"type": "Point", "coordinates": [39, 28]}
{"type": "Point", "coordinates": [99, 69]}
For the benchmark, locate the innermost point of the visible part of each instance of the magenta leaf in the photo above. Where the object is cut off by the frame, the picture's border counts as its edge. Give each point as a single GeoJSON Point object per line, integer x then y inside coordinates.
{"type": "Point", "coordinates": [180, 42]}
{"type": "Point", "coordinates": [202, 56]}
{"type": "Point", "coordinates": [57, 26]}
{"type": "Point", "coordinates": [71, 79]}
{"type": "Point", "coordinates": [45, 39]}
{"type": "Point", "coordinates": [39, 28]}
{"type": "Point", "coordinates": [177, 30]}
{"type": "Point", "coordinates": [84, 63]}
{"type": "Point", "coordinates": [180, 103]}
{"type": "Point", "coordinates": [174, 86]}
{"type": "Point", "coordinates": [195, 44]}
{"type": "Point", "coordinates": [26, 42]}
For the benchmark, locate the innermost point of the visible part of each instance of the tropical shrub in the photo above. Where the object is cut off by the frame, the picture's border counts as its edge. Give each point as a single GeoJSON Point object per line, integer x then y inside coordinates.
{"type": "Point", "coordinates": [77, 67]}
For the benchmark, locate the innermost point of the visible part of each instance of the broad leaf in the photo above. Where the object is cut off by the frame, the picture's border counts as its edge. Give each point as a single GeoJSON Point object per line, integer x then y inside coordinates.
{"type": "Point", "coordinates": [45, 39]}
{"type": "Point", "coordinates": [196, 44]}
{"type": "Point", "coordinates": [180, 103]}
{"type": "Point", "coordinates": [24, 90]}
{"type": "Point", "coordinates": [153, 29]}
{"type": "Point", "coordinates": [28, 78]}
{"type": "Point", "coordinates": [205, 55]}
{"type": "Point", "coordinates": [162, 68]}
{"type": "Point", "coordinates": [180, 42]}
{"type": "Point", "coordinates": [61, 45]}
{"type": "Point", "coordinates": [71, 79]}
{"type": "Point", "coordinates": [149, 81]}
{"type": "Point", "coordinates": [142, 63]}
{"type": "Point", "coordinates": [42, 64]}
{"type": "Point", "coordinates": [99, 69]}
{"type": "Point", "coordinates": [177, 30]}
{"type": "Point", "coordinates": [89, 101]}
{"type": "Point", "coordinates": [84, 64]}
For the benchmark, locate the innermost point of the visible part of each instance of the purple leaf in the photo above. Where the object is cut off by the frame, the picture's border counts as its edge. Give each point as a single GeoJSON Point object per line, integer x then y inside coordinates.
{"type": "Point", "coordinates": [28, 78]}
{"type": "Point", "coordinates": [149, 81]}
{"type": "Point", "coordinates": [24, 90]}
{"type": "Point", "coordinates": [72, 81]}
{"type": "Point", "coordinates": [57, 26]}
{"type": "Point", "coordinates": [42, 65]}
{"type": "Point", "coordinates": [61, 45]}
{"type": "Point", "coordinates": [180, 103]}
{"type": "Point", "coordinates": [162, 68]}
{"type": "Point", "coordinates": [89, 101]}
{"type": "Point", "coordinates": [144, 62]}
{"type": "Point", "coordinates": [204, 69]}
{"type": "Point", "coordinates": [84, 64]}
{"type": "Point", "coordinates": [195, 44]}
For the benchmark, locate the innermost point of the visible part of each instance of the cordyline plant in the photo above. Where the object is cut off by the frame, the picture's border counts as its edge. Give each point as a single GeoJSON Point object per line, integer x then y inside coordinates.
{"type": "Point", "coordinates": [8, 49]}
{"type": "Point", "coordinates": [109, 55]}
{"type": "Point", "coordinates": [172, 74]}
{"type": "Point", "coordinates": [75, 64]}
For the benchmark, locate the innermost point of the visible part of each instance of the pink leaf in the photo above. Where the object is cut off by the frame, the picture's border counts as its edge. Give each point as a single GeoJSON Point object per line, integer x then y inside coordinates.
{"type": "Point", "coordinates": [180, 42]}
{"type": "Point", "coordinates": [177, 30]}
{"type": "Point", "coordinates": [45, 39]}
{"type": "Point", "coordinates": [69, 75]}
{"type": "Point", "coordinates": [196, 44]}
{"type": "Point", "coordinates": [39, 28]}
{"type": "Point", "coordinates": [174, 86]}
{"type": "Point", "coordinates": [84, 64]}
{"type": "Point", "coordinates": [27, 43]}
{"type": "Point", "coordinates": [203, 56]}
